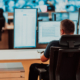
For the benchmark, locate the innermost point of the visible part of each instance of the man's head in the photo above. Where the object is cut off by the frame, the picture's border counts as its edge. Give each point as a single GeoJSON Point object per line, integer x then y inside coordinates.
{"type": "Point", "coordinates": [67, 27]}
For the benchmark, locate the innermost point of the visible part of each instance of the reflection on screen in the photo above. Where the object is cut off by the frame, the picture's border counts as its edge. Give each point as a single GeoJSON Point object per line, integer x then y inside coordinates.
{"type": "Point", "coordinates": [73, 16]}
{"type": "Point", "coordinates": [48, 31]}
{"type": "Point", "coordinates": [61, 16]}
{"type": "Point", "coordinates": [25, 28]}
{"type": "Point", "coordinates": [5, 14]}
{"type": "Point", "coordinates": [43, 16]}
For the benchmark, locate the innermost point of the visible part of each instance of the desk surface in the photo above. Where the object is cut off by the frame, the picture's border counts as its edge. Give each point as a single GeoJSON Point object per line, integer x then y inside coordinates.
{"type": "Point", "coordinates": [8, 27]}
{"type": "Point", "coordinates": [20, 54]}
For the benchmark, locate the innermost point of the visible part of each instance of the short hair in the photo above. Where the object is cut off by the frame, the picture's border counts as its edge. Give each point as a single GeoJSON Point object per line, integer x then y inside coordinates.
{"type": "Point", "coordinates": [68, 26]}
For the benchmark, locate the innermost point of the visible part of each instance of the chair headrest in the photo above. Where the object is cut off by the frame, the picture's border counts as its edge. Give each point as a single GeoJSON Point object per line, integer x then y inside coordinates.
{"type": "Point", "coordinates": [70, 40]}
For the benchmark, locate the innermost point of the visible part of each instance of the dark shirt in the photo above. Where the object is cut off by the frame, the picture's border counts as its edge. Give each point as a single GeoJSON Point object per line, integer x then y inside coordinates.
{"type": "Point", "coordinates": [52, 43]}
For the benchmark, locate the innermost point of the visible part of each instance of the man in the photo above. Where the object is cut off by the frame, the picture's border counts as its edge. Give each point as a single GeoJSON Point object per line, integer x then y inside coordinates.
{"type": "Point", "coordinates": [67, 27]}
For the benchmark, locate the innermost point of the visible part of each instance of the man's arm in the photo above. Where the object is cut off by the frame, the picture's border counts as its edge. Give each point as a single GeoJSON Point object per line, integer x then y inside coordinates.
{"type": "Point", "coordinates": [46, 54]}
{"type": "Point", "coordinates": [43, 58]}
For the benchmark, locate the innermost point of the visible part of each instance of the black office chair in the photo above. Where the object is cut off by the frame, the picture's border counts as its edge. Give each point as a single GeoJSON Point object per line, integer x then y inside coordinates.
{"type": "Point", "coordinates": [68, 60]}
{"type": "Point", "coordinates": [2, 22]}
{"type": "Point", "coordinates": [68, 43]}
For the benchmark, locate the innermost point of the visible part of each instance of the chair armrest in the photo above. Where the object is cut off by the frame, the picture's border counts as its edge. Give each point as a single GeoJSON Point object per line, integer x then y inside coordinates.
{"type": "Point", "coordinates": [41, 70]}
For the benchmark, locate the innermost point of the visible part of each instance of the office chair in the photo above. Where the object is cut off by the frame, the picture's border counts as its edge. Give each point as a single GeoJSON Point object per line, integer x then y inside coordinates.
{"type": "Point", "coordinates": [2, 22]}
{"type": "Point", "coordinates": [68, 61]}
{"type": "Point", "coordinates": [68, 43]}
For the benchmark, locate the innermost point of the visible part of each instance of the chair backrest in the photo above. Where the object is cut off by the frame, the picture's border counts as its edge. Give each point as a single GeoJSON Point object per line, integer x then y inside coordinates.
{"type": "Point", "coordinates": [53, 62]}
{"type": "Point", "coordinates": [67, 64]}
{"type": "Point", "coordinates": [68, 59]}
{"type": "Point", "coordinates": [64, 61]}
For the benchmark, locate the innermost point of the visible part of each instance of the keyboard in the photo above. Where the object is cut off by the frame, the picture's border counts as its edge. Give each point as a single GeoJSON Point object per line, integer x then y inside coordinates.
{"type": "Point", "coordinates": [40, 50]}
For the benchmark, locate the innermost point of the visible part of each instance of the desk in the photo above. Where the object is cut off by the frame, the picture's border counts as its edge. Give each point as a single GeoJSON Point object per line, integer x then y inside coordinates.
{"type": "Point", "coordinates": [18, 54]}
{"type": "Point", "coordinates": [16, 57]}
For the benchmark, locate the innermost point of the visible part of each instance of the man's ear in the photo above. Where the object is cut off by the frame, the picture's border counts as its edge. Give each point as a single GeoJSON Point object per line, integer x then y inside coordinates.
{"type": "Point", "coordinates": [62, 31]}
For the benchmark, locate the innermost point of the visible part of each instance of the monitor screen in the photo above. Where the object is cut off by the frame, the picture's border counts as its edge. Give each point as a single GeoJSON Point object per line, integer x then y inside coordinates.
{"type": "Point", "coordinates": [48, 31]}
{"type": "Point", "coordinates": [73, 15]}
{"type": "Point", "coordinates": [43, 16]}
{"type": "Point", "coordinates": [62, 16]}
{"type": "Point", "coordinates": [5, 14]}
{"type": "Point", "coordinates": [25, 21]}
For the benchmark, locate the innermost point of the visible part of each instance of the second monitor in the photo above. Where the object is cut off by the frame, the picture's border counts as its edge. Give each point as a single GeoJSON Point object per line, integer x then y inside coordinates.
{"type": "Point", "coordinates": [50, 30]}
{"type": "Point", "coordinates": [59, 16]}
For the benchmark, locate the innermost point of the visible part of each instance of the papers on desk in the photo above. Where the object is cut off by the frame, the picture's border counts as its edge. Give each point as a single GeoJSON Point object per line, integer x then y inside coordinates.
{"type": "Point", "coordinates": [19, 54]}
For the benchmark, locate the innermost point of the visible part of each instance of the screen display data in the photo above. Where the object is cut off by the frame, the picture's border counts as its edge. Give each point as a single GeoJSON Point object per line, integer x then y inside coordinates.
{"type": "Point", "coordinates": [25, 22]}
{"type": "Point", "coordinates": [49, 31]}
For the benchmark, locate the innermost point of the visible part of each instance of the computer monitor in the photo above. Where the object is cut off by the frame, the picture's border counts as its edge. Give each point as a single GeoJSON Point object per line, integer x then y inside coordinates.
{"type": "Point", "coordinates": [43, 16]}
{"type": "Point", "coordinates": [25, 22]}
{"type": "Point", "coordinates": [62, 16]}
{"type": "Point", "coordinates": [5, 14]}
{"type": "Point", "coordinates": [50, 30]}
{"type": "Point", "coordinates": [76, 27]}
{"type": "Point", "coordinates": [59, 16]}
{"type": "Point", "coordinates": [73, 15]}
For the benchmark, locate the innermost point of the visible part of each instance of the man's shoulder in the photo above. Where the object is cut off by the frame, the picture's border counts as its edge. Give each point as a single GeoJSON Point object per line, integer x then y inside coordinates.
{"type": "Point", "coordinates": [54, 43]}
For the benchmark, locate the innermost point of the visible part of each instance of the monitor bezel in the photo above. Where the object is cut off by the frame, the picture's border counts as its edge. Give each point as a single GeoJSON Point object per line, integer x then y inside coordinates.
{"type": "Point", "coordinates": [35, 30]}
